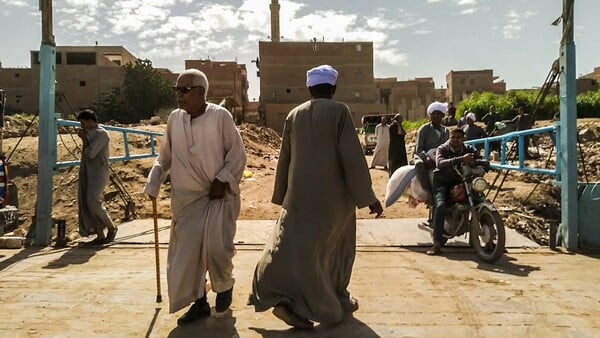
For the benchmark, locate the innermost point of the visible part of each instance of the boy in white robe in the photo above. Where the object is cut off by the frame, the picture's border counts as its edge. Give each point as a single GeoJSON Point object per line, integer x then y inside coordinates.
{"type": "Point", "coordinates": [204, 153]}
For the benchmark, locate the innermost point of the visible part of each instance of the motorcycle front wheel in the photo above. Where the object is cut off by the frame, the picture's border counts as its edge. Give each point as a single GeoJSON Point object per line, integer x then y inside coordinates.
{"type": "Point", "coordinates": [487, 236]}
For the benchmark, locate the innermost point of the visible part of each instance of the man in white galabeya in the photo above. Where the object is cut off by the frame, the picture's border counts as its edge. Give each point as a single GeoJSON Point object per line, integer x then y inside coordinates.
{"type": "Point", "coordinates": [204, 154]}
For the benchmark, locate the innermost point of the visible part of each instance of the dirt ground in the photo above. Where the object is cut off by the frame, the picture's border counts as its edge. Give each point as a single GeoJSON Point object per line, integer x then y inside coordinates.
{"type": "Point", "coordinates": [524, 208]}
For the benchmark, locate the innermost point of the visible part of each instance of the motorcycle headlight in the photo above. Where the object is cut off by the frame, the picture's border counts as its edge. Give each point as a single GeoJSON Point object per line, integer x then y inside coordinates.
{"type": "Point", "coordinates": [479, 184]}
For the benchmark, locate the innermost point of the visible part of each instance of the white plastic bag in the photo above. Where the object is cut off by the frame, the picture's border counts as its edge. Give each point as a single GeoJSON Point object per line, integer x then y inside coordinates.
{"type": "Point", "coordinates": [398, 183]}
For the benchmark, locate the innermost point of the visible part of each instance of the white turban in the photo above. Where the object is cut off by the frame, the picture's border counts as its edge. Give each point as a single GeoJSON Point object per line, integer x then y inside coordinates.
{"type": "Point", "coordinates": [471, 117]}
{"type": "Point", "coordinates": [324, 74]}
{"type": "Point", "coordinates": [439, 106]}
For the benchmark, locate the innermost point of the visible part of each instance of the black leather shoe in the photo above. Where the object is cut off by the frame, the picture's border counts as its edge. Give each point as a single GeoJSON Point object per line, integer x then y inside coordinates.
{"type": "Point", "coordinates": [223, 300]}
{"type": "Point", "coordinates": [110, 236]}
{"type": "Point", "coordinates": [200, 309]}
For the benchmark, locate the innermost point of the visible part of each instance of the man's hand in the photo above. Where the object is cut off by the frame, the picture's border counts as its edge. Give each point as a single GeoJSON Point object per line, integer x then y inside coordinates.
{"type": "Point", "coordinates": [81, 133]}
{"type": "Point", "coordinates": [376, 209]}
{"type": "Point", "coordinates": [468, 158]}
{"type": "Point", "coordinates": [217, 189]}
{"type": "Point", "coordinates": [429, 164]}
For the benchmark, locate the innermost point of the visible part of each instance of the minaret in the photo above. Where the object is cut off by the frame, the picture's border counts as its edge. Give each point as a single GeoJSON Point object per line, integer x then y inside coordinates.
{"type": "Point", "coordinates": [274, 6]}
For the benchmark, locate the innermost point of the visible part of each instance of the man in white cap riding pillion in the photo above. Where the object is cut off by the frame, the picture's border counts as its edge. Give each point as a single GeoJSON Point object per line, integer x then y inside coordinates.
{"type": "Point", "coordinates": [429, 137]}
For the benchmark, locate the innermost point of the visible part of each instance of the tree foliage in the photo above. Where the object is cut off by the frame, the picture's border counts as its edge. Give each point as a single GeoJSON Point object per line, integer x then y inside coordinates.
{"type": "Point", "coordinates": [143, 92]}
{"type": "Point", "coordinates": [588, 104]}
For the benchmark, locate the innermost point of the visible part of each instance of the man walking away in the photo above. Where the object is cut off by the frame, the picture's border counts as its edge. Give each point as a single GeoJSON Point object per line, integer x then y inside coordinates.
{"type": "Point", "coordinates": [322, 177]}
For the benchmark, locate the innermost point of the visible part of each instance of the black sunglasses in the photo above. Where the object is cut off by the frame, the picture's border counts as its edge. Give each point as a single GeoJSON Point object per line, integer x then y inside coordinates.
{"type": "Point", "coordinates": [185, 90]}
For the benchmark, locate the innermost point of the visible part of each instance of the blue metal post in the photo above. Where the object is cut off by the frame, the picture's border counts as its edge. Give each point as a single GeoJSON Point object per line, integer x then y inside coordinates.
{"type": "Point", "coordinates": [47, 129]}
{"type": "Point", "coordinates": [568, 131]}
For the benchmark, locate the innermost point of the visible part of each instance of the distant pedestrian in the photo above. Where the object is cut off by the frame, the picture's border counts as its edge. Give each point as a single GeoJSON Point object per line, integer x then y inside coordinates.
{"type": "Point", "coordinates": [322, 177]}
{"type": "Point", "coordinates": [490, 120]}
{"type": "Point", "coordinates": [93, 177]}
{"type": "Point", "coordinates": [380, 154]}
{"type": "Point", "coordinates": [523, 121]}
{"type": "Point", "coordinates": [450, 118]}
{"type": "Point", "coordinates": [397, 149]}
{"type": "Point", "coordinates": [473, 131]}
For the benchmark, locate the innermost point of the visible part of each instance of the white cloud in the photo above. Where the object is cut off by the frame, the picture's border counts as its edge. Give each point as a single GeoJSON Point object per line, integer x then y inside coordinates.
{"type": "Point", "coordinates": [15, 3]}
{"type": "Point", "coordinates": [422, 31]}
{"type": "Point", "coordinates": [468, 11]}
{"type": "Point", "coordinates": [512, 28]}
{"type": "Point", "coordinates": [392, 56]}
{"type": "Point", "coordinates": [466, 2]}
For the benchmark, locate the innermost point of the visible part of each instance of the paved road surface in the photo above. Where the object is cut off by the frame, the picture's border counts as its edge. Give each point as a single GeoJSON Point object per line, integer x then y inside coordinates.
{"type": "Point", "coordinates": [110, 291]}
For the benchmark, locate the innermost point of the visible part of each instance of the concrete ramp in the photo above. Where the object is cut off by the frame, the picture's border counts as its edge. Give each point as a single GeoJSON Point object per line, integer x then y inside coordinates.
{"type": "Point", "coordinates": [401, 232]}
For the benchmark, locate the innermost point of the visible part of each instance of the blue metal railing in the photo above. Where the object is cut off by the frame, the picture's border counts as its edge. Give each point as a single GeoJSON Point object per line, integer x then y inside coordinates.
{"type": "Point", "coordinates": [520, 137]}
{"type": "Point", "coordinates": [125, 131]}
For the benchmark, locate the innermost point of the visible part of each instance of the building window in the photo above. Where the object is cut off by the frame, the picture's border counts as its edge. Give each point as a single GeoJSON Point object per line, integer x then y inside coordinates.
{"type": "Point", "coordinates": [81, 58]}
{"type": "Point", "coordinates": [35, 58]}
{"type": "Point", "coordinates": [288, 90]}
{"type": "Point", "coordinates": [358, 48]}
{"type": "Point", "coordinates": [81, 83]}
{"type": "Point", "coordinates": [17, 75]}
{"type": "Point", "coordinates": [357, 94]}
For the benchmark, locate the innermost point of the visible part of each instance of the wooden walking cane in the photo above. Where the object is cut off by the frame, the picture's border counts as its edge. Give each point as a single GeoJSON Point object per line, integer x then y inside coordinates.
{"type": "Point", "coordinates": [155, 216]}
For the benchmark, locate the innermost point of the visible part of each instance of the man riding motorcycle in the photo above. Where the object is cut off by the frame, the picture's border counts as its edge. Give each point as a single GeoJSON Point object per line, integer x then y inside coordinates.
{"type": "Point", "coordinates": [449, 155]}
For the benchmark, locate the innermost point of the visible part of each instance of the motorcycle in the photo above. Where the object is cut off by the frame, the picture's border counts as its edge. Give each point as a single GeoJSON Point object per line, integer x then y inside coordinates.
{"type": "Point", "coordinates": [468, 211]}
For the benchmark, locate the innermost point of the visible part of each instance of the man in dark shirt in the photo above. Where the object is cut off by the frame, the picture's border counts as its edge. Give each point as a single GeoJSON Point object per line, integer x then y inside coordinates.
{"type": "Point", "coordinates": [523, 121]}
{"type": "Point", "coordinates": [450, 119]}
{"type": "Point", "coordinates": [448, 156]}
{"type": "Point", "coordinates": [490, 120]}
{"type": "Point", "coordinates": [397, 150]}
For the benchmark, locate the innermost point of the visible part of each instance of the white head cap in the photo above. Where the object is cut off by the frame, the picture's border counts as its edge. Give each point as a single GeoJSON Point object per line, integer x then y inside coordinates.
{"type": "Point", "coordinates": [437, 106]}
{"type": "Point", "coordinates": [471, 117]}
{"type": "Point", "coordinates": [324, 74]}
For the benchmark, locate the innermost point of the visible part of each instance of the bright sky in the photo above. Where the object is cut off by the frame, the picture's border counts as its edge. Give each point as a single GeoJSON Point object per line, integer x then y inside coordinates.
{"type": "Point", "coordinates": [412, 38]}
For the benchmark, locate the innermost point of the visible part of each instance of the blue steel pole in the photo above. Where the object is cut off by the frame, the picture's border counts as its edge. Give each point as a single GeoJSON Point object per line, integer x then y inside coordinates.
{"type": "Point", "coordinates": [568, 131]}
{"type": "Point", "coordinates": [47, 129]}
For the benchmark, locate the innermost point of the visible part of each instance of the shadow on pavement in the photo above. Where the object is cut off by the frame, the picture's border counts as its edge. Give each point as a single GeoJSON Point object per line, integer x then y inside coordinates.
{"type": "Point", "coordinates": [505, 264]}
{"type": "Point", "coordinates": [153, 322]}
{"type": "Point", "coordinates": [349, 328]}
{"type": "Point", "coordinates": [21, 255]}
{"type": "Point", "coordinates": [73, 255]}
{"type": "Point", "coordinates": [508, 265]}
{"type": "Point", "coordinates": [214, 326]}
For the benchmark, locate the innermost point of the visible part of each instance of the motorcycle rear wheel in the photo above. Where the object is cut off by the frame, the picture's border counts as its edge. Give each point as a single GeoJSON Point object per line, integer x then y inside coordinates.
{"type": "Point", "coordinates": [488, 237]}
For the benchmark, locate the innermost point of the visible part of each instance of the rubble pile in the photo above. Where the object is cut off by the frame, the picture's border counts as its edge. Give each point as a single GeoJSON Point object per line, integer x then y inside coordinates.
{"type": "Point", "coordinates": [531, 215]}
{"type": "Point", "coordinates": [260, 141]}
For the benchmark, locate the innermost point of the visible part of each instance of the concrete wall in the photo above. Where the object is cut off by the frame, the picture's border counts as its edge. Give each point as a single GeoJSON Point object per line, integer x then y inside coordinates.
{"type": "Point", "coordinates": [18, 85]}
{"type": "Point", "coordinates": [462, 83]}
{"type": "Point", "coordinates": [227, 80]}
{"type": "Point", "coordinates": [283, 67]}
{"type": "Point", "coordinates": [409, 98]}
{"type": "Point", "coordinates": [78, 85]}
